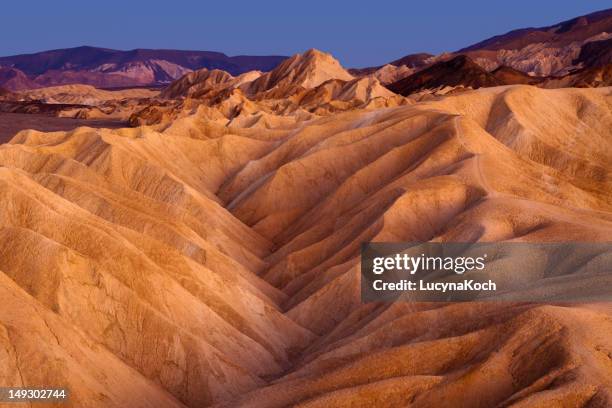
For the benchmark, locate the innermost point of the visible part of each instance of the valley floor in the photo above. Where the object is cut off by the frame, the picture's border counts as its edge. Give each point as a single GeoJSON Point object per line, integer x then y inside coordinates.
{"type": "Point", "coordinates": [12, 123]}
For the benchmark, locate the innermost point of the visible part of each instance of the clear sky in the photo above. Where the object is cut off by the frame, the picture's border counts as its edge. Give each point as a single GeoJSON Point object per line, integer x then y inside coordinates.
{"type": "Point", "coordinates": [359, 33]}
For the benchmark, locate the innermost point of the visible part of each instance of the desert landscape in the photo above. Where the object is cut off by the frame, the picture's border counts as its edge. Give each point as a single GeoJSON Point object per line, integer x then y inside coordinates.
{"type": "Point", "coordinates": [183, 229]}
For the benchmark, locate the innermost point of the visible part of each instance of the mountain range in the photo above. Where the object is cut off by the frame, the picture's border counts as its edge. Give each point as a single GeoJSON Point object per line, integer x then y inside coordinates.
{"type": "Point", "coordinates": [556, 50]}
{"type": "Point", "coordinates": [108, 68]}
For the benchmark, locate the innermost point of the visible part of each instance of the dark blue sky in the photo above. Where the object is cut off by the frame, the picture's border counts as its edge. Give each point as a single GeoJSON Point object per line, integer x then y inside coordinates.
{"type": "Point", "coordinates": [358, 33]}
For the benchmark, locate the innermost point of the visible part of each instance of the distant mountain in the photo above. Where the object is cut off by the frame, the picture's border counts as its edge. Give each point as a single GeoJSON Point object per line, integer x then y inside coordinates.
{"type": "Point", "coordinates": [560, 34]}
{"type": "Point", "coordinates": [459, 71]}
{"type": "Point", "coordinates": [511, 76]}
{"type": "Point", "coordinates": [5, 93]}
{"type": "Point", "coordinates": [573, 53]}
{"type": "Point", "coordinates": [582, 42]}
{"type": "Point", "coordinates": [103, 67]}
{"type": "Point", "coordinates": [591, 77]}
{"type": "Point", "coordinates": [13, 79]}
{"type": "Point", "coordinates": [549, 50]}
{"type": "Point", "coordinates": [397, 69]}
{"type": "Point", "coordinates": [595, 54]}
{"type": "Point", "coordinates": [415, 61]}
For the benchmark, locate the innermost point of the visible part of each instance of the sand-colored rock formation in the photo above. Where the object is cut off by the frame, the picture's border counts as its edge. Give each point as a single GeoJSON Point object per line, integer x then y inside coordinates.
{"type": "Point", "coordinates": [215, 263]}
{"type": "Point", "coordinates": [388, 74]}
{"type": "Point", "coordinates": [205, 84]}
{"type": "Point", "coordinates": [400, 68]}
{"type": "Point", "coordinates": [304, 86]}
{"type": "Point", "coordinates": [84, 94]}
{"type": "Point", "coordinates": [306, 70]}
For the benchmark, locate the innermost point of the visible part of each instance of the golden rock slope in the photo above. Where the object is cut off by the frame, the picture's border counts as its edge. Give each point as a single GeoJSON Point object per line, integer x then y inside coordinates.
{"type": "Point", "coordinates": [83, 94]}
{"type": "Point", "coordinates": [305, 86]}
{"type": "Point", "coordinates": [216, 263]}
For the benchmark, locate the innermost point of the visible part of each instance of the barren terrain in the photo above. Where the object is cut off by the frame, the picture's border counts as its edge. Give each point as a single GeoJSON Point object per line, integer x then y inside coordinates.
{"type": "Point", "coordinates": [12, 123]}
{"type": "Point", "coordinates": [208, 264]}
{"type": "Point", "coordinates": [200, 246]}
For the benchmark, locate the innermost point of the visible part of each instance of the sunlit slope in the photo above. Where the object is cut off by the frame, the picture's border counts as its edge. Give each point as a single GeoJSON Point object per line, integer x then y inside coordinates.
{"type": "Point", "coordinates": [144, 264]}
{"type": "Point", "coordinates": [219, 264]}
{"type": "Point", "coordinates": [39, 348]}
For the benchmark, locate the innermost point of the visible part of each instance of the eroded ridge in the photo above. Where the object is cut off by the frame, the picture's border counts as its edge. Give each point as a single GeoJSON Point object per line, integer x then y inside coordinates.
{"type": "Point", "coordinates": [217, 264]}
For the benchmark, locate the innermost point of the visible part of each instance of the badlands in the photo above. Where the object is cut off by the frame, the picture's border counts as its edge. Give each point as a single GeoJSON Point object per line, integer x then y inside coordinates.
{"type": "Point", "coordinates": [211, 256]}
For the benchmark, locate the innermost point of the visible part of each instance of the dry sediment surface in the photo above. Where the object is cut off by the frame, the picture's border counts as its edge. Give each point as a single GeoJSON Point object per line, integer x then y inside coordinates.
{"type": "Point", "coordinates": [211, 265]}
{"type": "Point", "coordinates": [85, 94]}
{"type": "Point", "coordinates": [12, 123]}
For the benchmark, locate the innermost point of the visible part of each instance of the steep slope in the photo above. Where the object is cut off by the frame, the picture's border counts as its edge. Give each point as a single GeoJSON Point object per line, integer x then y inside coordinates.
{"type": "Point", "coordinates": [390, 73]}
{"type": "Point", "coordinates": [218, 264]}
{"type": "Point", "coordinates": [460, 71]}
{"type": "Point", "coordinates": [361, 90]}
{"type": "Point", "coordinates": [583, 78]}
{"type": "Point", "coordinates": [595, 54]}
{"type": "Point", "coordinates": [206, 84]}
{"type": "Point", "coordinates": [511, 76]}
{"type": "Point", "coordinates": [31, 332]}
{"type": "Point", "coordinates": [143, 261]}
{"type": "Point", "coordinates": [202, 79]}
{"type": "Point", "coordinates": [306, 70]}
